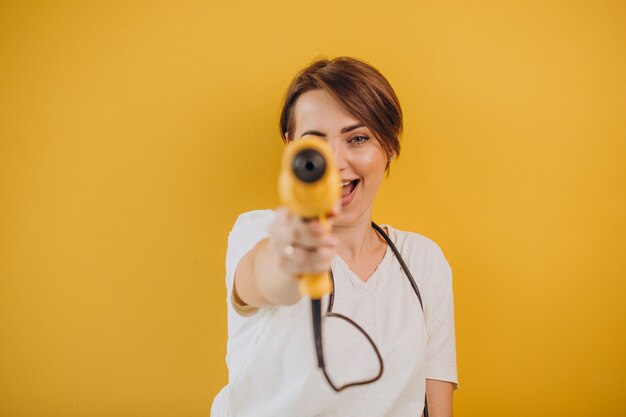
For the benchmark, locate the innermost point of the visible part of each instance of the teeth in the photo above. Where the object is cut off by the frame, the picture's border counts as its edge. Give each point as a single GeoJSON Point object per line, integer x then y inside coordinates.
{"type": "Point", "coordinates": [346, 183]}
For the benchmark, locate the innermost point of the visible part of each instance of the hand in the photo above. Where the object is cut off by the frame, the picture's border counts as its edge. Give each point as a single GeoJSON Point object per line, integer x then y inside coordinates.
{"type": "Point", "coordinates": [302, 247]}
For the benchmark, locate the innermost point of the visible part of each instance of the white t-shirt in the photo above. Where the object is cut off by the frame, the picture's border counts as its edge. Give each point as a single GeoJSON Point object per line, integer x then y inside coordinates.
{"type": "Point", "coordinates": [271, 357]}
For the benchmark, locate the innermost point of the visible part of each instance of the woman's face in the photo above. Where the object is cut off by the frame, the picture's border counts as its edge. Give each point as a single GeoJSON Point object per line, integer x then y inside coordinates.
{"type": "Point", "coordinates": [360, 159]}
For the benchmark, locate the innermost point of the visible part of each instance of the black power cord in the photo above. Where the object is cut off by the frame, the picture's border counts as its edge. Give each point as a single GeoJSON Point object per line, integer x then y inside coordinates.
{"type": "Point", "coordinates": [316, 310]}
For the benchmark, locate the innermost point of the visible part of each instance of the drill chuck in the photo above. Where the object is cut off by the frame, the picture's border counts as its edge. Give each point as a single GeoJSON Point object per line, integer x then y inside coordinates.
{"type": "Point", "coordinates": [309, 165]}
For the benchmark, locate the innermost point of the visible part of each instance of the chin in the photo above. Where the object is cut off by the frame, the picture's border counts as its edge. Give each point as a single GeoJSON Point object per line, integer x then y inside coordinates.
{"type": "Point", "coordinates": [348, 217]}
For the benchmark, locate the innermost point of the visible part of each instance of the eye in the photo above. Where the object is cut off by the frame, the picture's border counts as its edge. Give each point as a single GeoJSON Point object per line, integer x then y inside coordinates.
{"type": "Point", "coordinates": [359, 139]}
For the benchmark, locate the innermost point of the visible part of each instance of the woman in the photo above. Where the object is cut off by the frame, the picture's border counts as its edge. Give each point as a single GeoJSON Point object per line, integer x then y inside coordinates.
{"type": "Point", "coordinates": [271, 355]}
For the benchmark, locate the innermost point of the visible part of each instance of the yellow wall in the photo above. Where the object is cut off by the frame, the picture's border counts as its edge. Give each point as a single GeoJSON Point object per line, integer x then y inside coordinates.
{"type": "Point", "coordinates": [132, 134]}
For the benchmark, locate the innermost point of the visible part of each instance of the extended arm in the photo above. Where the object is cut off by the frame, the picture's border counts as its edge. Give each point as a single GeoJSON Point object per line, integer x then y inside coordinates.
{"type": "Point", "coordinates": [267, 275]}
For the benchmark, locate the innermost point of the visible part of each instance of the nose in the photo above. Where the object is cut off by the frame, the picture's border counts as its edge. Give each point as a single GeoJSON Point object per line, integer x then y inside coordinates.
{"type": "Point", "coordinates": [339, 153]}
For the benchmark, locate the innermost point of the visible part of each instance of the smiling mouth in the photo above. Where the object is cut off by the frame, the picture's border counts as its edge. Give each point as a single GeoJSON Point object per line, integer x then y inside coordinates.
{"type": "Point", "coordinates": [348, 187]}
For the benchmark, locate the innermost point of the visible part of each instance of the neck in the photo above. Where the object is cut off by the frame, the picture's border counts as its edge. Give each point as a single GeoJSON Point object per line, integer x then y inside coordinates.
{"type": "Point", "coordinates": [357, 239]}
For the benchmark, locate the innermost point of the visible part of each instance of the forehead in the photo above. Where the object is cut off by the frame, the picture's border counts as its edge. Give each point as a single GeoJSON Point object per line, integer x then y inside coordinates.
{"type": "Point", "coordinates": [318, 109]}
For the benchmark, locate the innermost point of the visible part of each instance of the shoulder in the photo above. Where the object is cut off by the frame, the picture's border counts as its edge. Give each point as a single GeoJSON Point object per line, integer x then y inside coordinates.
{"type": "Point", "coordinates": [256, 216]}
{"type": "Point", "coordinates": [414, 242]}
{"type": "Point", "coordinates": [253, 220]}
{"type": "Point", "coordinates": [423, 255]}
{"type": "Point", "coordinates": [248, 230]}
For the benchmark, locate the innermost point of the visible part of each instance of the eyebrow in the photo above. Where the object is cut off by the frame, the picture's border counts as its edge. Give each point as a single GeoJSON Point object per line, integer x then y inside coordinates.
{"type": "Point", "coordinates": [344, 130]}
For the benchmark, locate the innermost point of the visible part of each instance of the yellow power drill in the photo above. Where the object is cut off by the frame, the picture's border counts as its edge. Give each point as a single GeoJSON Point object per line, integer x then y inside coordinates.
{"type": "Point", "coordinates": [309, 186]}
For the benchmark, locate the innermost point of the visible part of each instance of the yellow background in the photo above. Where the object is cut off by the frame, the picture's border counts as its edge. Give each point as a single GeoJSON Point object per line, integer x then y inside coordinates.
{"type": "Point", "coordinates": [132, 134]}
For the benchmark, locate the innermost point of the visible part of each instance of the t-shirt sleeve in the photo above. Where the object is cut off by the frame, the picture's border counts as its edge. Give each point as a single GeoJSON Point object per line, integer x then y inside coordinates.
{"type": "Point", "coordinates": [441, 342]}
{"type": "Point", "coordinates": [249, 229]}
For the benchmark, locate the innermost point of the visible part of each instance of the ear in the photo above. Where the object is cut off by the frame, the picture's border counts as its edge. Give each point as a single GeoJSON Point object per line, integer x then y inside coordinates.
{"type": "Point", "coordinates": [389, 159]}
{"type": "Point", "coordinates": [287, 138]}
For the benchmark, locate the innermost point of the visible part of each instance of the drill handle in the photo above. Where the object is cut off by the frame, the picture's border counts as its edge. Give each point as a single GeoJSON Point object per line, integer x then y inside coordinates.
{"type": "Point", "coordinates": [317, 285]}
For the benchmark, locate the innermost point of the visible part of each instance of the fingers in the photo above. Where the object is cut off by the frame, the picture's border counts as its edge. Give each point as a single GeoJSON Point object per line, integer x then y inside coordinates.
{"type": "Point", "coordinates": [309, 234]}
{"type": "Point", "coordinates": [306, 233]}
{"type": "Point", "coordinates": [303, 261]}
{"type": "Point", "coordinates": [302, 246]}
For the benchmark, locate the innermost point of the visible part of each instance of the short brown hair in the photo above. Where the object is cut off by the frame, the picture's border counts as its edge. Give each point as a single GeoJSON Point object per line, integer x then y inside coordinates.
{"type": "Point", "coordinates": [360, 87]}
